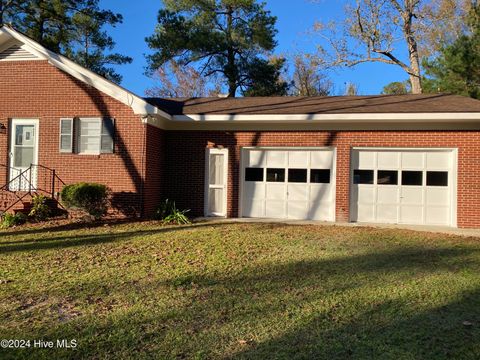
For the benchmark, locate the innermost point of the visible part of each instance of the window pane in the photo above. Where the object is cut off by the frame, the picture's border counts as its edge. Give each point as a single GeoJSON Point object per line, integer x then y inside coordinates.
{"type": "Point", "coordinates": [65, 126]}
{"type": "Point", "coordinates": [24, 135]}
{"type": "Point", "coordinates": [254, 174]}
{"type": "Point", "coordinates": [387, 177]}
{"type": "Point", "coordinates": [216, 169]}
{"type": "Point", "coordinates": [275, 175]}
{"type": "Point", "coordinates": [89, 144]}
{"type": "Point", "coordinates": [215, 201]}
{"type": "Point", "coordinates": [89, 127]}
{"type": "Point", "coordinates": [108, 135]}
{"type": "Point", "coordinates": [320, 176]}
{"type": "Point", "coordinates": [412, 178]}
{"type": "Point", "coordinates": [297, 175]}
{"type": "Point", "coordinates": [23, 156]}
{"type": "Point", "coordinates": [437, 178]}
{"type": "Point", "coordinates": [363, 176]}
{"type": "Point", "coordinates": [65, 142]}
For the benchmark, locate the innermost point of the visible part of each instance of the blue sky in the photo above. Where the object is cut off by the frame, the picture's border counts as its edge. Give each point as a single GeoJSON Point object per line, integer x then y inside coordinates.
{"type": "Point", "coordinates": [295, 19]}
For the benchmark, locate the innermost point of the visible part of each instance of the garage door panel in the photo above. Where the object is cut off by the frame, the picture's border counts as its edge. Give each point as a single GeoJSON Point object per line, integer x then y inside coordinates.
{"type": "Point", "coordinates": [366, 194]}
{"type": "Point", "coordinates": [438, 160]}
{"type": "Point", "coordinates": [321, 159]}
{"type": "Point", "coordinates": [366, 213]}
{"type": "Point", "coordinates": [437, 196]}
{"type": "Point", "coordinates": [275, 192]}
{"type": "Point", "coordinates": [276, 159]}
{"type": "Point", "coordinates": [275, 209]}
{"type": "Point", "coordinates": [387, 194]}
{"type": "Point", "coordinates": [298, 159]}
{"type": "Point", "coordinates": [411, 195]}
{"type": "Point", "coordinates": [388, 160]}
{"type": "Point", "coordinates": [321, 192]}
{"type": "Point", "coordinates": [298, 192]}
{"type": "Point", "coordinates": [387, 213]}
{"type": "Point", "coordinates": [413, 160]}
{"type": "Point", "coordinates": [437, 215]}
{"type": "Point", "coordinates": [254, 208]}
{"type": "Point", "coordinates": [321, 211]}
{"type": "Point", "coordinates": [255, 158]}
{"type": "Point", "coordinates": [297, 209]}
{"type": "Point", "coordinates": [254, 190]}
{"type": "Point", "coordinates": [364, 160]}
{"type": "Point", "coordinates": [411, 214]}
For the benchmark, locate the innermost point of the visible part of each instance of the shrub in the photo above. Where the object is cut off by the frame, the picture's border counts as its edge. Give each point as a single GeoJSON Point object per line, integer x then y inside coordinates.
{"type": "Point", "coordinates": [9, 220]}
{"type": "Point", "coordinates": [90, 197]}
{"type": "Point", "coordinates": [169, 214]}
{"type": "Point", "coordinates": [40, 210]}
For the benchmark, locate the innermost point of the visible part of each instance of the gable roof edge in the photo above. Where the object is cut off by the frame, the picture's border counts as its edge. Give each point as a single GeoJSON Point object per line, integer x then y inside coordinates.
{"type": "Point", "coordinates": [135, 102]}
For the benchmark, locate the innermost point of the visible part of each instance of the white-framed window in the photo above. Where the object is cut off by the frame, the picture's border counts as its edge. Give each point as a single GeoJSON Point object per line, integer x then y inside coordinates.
{"type": "Point", "coordinates": [87, 135]}
{"type": "Point", "coordinates": [66, 135]}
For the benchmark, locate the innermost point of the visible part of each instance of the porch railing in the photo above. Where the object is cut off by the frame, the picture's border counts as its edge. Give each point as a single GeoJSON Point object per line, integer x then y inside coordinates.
{"type": "Point", "coordinates": [36, 179]}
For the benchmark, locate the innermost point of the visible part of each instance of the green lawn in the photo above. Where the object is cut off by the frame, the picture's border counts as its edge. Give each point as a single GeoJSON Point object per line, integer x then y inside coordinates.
{"type": "Point", "coordinates": [142, 290]}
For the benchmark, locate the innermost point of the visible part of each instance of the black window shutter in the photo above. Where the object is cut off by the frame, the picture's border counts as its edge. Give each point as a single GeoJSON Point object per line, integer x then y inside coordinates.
{"type": "Point", "coordinates": [108, 136]}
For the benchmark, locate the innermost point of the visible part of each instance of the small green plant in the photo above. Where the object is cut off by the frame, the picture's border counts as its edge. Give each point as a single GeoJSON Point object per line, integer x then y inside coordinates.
{"type": "Point", "coordinates": [168, 213]}
{"type": "Point", "coordinates": [90, 197]}
{"type": "Point", "coordinates": [9, 220]}
{"type": "Point", "coordinates": [40, 210]}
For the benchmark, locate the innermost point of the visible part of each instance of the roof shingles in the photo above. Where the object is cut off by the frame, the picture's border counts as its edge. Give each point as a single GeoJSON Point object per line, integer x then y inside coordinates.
{"type": "Point", "coordinates": [424, 103]}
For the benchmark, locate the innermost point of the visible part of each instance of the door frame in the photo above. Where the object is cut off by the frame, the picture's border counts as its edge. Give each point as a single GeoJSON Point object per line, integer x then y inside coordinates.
{"type": "Point", "coordinates": [333, 170]}
{"type": "Point", "coordinates": [453, 177]}
{"type": "Point", "coordinates": [208, 152]}
{"type": "Point", "coordinates": [22, 121]}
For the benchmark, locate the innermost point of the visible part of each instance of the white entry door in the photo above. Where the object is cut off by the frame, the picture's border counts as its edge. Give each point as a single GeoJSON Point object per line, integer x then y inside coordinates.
{"type": "Point", "coordinates": [288, 183]}
{"type": "Point", "coordinates": [23, 153]}
{"type": "Point", "coordinates": [216, 182]}
{"type": "Point", "coordinates": [408, 186]}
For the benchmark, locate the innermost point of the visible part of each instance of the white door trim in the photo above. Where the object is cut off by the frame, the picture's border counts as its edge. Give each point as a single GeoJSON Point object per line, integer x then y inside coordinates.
{"type": "Point", "coordinates": [333, 170]}
{"type": "Point", "coordinates": [208, 152]}
{"type": "Point", "coordinates": [23, 121]}
{"type": "Point", "coordinates": [453, 174]}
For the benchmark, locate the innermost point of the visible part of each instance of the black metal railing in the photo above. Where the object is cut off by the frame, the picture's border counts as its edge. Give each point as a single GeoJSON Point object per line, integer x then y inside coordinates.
{"type": "Point", "coordinates": [36, 179]}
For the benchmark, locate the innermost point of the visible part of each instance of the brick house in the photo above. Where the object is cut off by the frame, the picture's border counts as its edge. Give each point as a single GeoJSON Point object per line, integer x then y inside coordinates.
{"type": "Point", "coordinates": [411, 159]}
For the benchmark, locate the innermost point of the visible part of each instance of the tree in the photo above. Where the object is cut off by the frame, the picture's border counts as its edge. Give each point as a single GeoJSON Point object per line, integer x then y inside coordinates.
{"type": "Point", "coordinates": [181, 82]}
{"type": "Point", "coordinates": [263, 78]}
{"type": "Point", "coordinates": [73, 28]}
{"type": "Point", "coordinates": [372, 28]}
{"type": "Point", "coordinates": [222, 37]}
{"type": "Point", "coordinates": [457, 68]}
{"type": "Point", "coordinates": [397, 88]}
{"type": "Point", "coordinates": [351, 89]}
{"type": "Point", "coordinates": [308, 79]}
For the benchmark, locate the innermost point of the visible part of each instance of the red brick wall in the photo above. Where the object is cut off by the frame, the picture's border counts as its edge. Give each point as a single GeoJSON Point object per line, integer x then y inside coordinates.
{"type": "Point", "coordinates": [185, 158]}
{"type": "Point", "coordinates": [35, 89]}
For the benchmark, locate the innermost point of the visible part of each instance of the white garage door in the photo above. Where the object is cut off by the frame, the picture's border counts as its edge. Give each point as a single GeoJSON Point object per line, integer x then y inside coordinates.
{"type": "Point", "coordinates": [288, 183]}
{"type": "Point", "coordinates": [403, 186]}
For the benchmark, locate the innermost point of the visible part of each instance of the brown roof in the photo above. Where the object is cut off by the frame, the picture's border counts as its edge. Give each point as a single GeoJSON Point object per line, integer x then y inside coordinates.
{"type": "Point", "coordinates": [434, 103]}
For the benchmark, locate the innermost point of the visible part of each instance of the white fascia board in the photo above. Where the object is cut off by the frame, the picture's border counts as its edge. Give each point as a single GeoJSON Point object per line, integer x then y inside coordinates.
{"type": "Point", "coordinates": [325, 118]}
{"type": "Point", "coordinates": [138, 105]}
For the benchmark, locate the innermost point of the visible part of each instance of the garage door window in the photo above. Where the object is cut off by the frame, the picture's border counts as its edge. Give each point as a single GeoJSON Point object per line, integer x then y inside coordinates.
{"type": "Point", "coordinates": [320, 176]}
{"type": "Point", "coordinates": [254, 174]}
{"type": "Point", "coordinates": [363, 176]}
{"type": "Point", "coordinates": [297, 175]}
{"type": "Point", "coordinates": [412, 178]}
{"type": "Point", "coordinates": [276, 175]}
{"type": "Point", "coordinates": [387, 177]}
{"type": "Point", "coordinates": [437, 178]}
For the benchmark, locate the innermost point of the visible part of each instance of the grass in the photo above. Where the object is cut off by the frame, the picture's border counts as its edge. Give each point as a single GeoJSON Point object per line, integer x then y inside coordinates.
{"type": "Point", "coordinates": [238, 291]}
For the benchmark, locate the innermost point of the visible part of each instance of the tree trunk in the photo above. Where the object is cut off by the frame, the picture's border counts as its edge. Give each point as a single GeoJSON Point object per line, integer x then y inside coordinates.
{"type": "Point", "coordinates": [415, 76]}
{"type": "Point", "coordinates": [231, 71]}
